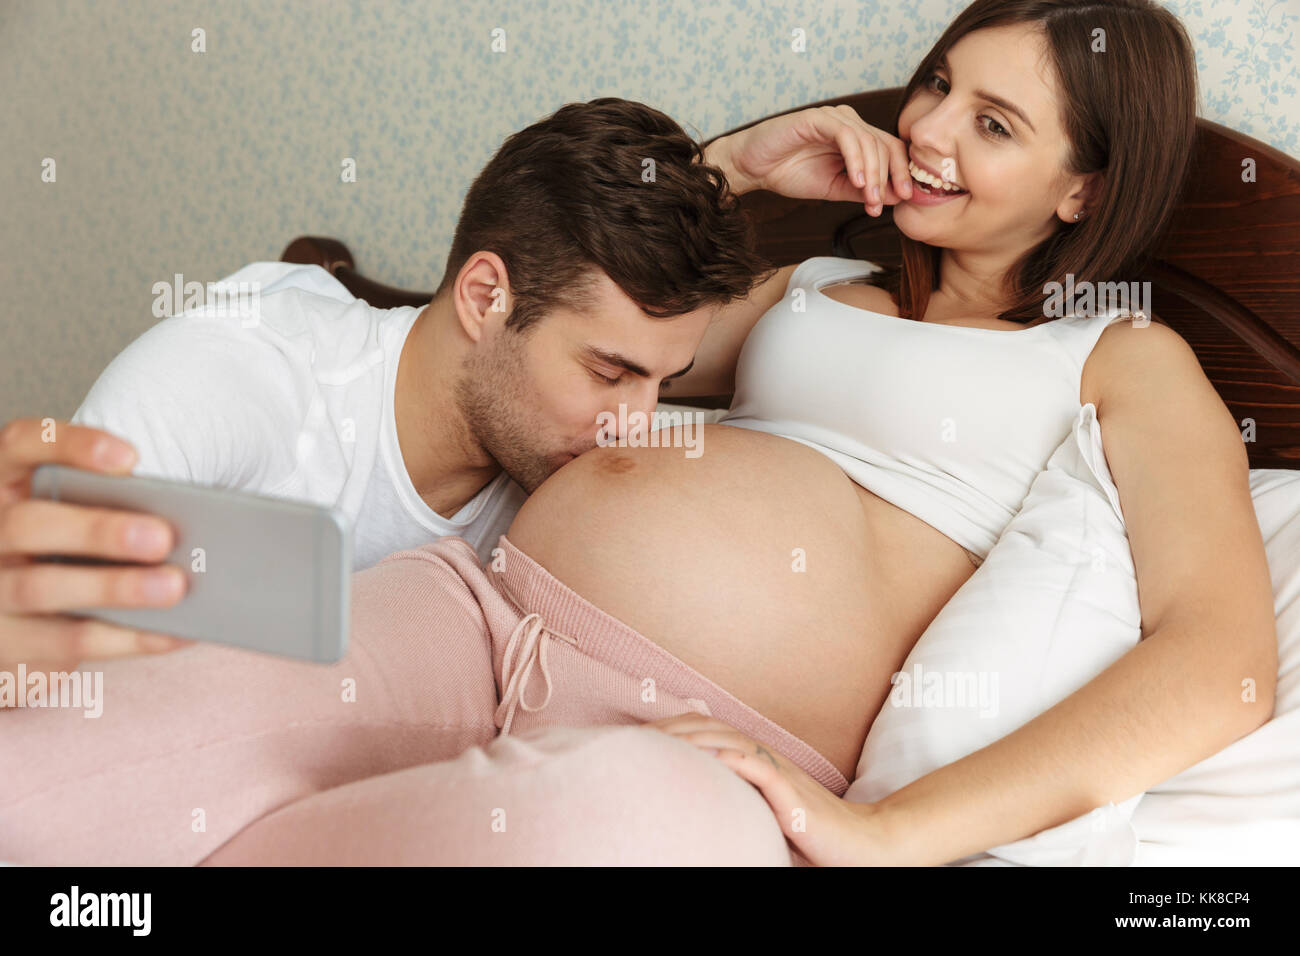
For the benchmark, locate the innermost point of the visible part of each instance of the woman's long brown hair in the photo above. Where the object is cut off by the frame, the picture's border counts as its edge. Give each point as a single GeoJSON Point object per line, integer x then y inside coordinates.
{"type": "Point", "coordinates": [1129, 113]}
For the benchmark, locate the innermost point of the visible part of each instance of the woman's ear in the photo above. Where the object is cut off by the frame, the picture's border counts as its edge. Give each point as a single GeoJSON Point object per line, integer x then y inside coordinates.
{"type": "Point", "coordinates": [1082, 199]}
{"type": "Point", "coordinates": [481, 294]}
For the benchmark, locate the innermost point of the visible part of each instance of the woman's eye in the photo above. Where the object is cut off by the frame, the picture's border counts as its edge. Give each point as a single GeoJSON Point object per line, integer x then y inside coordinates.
{"type": "Point", "coordinates": [996, 130]}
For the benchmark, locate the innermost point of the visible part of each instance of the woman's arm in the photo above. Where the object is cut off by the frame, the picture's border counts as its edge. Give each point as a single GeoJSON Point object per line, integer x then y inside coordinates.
{"type": "Point", "coordinates": [1205, 671]}
{"type": "Point", "coordinates": [718, 153]}
{"type": "Point", "coordinates": [714, 370]}
{"type": "Point", "coordinates": [819, 153]}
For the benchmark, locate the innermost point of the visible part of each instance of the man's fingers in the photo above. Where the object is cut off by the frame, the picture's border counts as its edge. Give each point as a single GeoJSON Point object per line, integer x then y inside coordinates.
{"type": "Point", "coordinates": [61, 643]}
{"type": "Point", "coordinates": [43, 588]}
{"type": "Point", "coordinates": [29, 590]}
{"type": "Point", "coordinates": [40, 526]}
{"type": "Point", "coordinates": [26, 443]}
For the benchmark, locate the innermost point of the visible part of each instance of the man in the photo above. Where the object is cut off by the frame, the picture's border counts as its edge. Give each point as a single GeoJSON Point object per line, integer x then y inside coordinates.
{"type": "Point", "coordinates": [590, 256]}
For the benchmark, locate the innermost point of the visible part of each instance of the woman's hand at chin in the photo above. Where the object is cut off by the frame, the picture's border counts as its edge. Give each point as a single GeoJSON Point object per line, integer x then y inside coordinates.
{"type": "Point", "coordinates": [824, 152]}
{"type": "Point", "coordinates": [826, 829]}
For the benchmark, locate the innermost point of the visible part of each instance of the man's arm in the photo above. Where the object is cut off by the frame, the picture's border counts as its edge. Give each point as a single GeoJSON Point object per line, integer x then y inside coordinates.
{"type": "Point", "coordinates": [200, 402]}
{"type": "Point", "coordinates": [197, 402]}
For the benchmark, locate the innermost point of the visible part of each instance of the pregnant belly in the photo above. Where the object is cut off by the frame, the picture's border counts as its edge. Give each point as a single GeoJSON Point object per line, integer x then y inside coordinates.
{"type": "Point", "coordinates": [759, 563]}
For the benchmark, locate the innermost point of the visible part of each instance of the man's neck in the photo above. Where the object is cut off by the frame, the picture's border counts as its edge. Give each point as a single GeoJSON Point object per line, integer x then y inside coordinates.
{"type": "Point", "coordinates": [446, 465]}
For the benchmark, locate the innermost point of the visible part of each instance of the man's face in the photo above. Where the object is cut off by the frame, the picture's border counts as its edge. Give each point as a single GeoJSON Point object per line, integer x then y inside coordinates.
{"type": "Point", "coordinates": [532, 398]}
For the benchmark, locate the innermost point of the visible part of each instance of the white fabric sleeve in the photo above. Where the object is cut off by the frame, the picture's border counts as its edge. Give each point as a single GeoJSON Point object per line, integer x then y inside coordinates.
{"type": "Point", "coordinates": [203, 401]}
{"type": "Point", "coordinates": [275, 276]}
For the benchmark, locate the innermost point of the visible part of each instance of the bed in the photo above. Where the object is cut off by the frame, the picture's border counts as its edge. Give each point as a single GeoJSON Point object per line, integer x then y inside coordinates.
{"type": "Point", "coordinates": [1226, 277]}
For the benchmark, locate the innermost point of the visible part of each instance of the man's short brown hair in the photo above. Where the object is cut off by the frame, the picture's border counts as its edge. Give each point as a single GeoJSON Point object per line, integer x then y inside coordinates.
{"type": "Point", "coordinates": [573, 193]}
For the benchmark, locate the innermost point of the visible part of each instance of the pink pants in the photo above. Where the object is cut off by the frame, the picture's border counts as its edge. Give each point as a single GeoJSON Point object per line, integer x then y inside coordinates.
{"type": "Point", "coordinates": [480, 716]}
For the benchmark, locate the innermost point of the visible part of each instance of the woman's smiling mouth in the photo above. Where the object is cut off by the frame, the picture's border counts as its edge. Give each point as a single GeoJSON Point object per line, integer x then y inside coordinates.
{"type": "Point", "coordinates": [929, 189]}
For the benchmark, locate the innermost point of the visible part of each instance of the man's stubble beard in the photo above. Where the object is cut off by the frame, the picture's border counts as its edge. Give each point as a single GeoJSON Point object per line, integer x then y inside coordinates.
{"type": "Point", "coordinates": [490, 395]}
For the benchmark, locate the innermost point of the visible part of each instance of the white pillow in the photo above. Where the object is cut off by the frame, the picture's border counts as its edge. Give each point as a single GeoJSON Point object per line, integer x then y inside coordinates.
{"type": "Point", "coordinates": [1053, 605]}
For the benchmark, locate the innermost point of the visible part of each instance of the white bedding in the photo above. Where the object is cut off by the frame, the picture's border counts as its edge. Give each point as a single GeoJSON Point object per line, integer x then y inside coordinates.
{"type": "Point", "coordinates": [1242, 805]}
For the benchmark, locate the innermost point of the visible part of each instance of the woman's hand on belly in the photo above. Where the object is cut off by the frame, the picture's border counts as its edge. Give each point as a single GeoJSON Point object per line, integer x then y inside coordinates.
{"type": "Point", "coordinates": [826, 829]}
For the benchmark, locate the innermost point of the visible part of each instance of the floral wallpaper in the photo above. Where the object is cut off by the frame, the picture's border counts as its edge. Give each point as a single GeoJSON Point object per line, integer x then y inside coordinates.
{"type": "Point", "coordinates": [194, 137]}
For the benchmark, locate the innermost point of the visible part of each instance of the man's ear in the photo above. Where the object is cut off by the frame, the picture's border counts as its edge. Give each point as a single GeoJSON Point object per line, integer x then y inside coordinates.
{"type": "Point", "coordinates": [481, 294]}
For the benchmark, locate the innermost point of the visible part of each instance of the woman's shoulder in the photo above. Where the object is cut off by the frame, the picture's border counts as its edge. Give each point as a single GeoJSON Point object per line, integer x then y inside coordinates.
{"type": "Point", "coordinates": [1125, 335]}
{"type": "Point", "coordinates": [1124, 349]}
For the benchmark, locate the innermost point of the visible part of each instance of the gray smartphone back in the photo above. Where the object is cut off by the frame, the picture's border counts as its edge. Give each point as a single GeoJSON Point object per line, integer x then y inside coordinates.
{"type": "Point", "coordinates": [263, 573]}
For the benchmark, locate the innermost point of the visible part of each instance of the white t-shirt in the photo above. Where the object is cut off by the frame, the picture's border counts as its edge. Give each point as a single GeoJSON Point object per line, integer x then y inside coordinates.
{"type": "Point", "coordinates": [297, 405]}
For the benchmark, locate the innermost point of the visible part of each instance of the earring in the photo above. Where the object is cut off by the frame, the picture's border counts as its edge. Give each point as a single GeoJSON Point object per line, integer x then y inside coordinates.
{"type": "Point", "coordinates": [1076, 217]}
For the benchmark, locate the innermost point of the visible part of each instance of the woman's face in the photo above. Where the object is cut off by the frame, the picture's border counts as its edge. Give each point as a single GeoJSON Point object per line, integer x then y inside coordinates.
{"type": "Point", "coordinates": [988, 120]}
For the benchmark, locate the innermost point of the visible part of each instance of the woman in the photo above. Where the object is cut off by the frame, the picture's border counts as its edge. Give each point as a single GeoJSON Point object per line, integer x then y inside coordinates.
{"type": "Point", "coordinates": [1067, 127]}
{"type": "Point", "coordinates": [756, 599]}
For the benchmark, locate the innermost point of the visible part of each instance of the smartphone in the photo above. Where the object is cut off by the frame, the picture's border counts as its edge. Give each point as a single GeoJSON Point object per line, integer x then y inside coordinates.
{"type": "Point", "coordinates": [266, 574]}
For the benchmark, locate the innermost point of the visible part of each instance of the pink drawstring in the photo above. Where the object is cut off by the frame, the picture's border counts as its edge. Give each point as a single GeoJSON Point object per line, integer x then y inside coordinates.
{"type": "Point", "coordinates": [532, 633]}
{"type": "Point", "coordinates": [535, 636]}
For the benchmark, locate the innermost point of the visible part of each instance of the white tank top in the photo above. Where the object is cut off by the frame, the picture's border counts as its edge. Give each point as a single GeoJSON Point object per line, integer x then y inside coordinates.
{"type": "Point", "coordinates": [949, 423]}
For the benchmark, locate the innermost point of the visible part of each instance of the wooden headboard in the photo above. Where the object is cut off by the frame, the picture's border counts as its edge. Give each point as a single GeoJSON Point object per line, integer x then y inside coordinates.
{"type": "Point", "coordinates": [1226, 276]}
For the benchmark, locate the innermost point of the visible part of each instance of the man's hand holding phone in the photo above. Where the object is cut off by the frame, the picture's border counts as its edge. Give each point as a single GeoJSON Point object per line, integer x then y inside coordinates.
{"type": "Point", "coordinates": [34, 594]}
